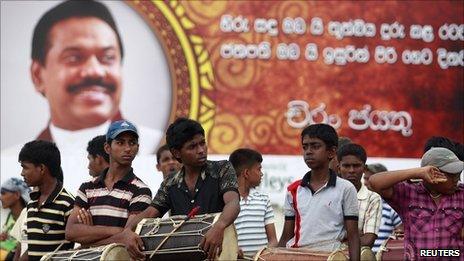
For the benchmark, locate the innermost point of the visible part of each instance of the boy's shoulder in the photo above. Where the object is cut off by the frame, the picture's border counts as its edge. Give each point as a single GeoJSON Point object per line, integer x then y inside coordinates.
{"type": "Point", "coordinates": [294, 186]}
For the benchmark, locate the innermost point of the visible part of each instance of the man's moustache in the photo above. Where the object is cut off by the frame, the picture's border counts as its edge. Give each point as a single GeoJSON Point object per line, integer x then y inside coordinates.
{"type": "Point", "coordinates": [91, 83]}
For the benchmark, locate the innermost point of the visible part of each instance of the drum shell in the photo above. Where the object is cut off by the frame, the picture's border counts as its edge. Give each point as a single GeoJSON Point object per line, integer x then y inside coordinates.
{"type": "Point", "coordinates": [184, 243]}
{"type": "Point", "coordinates": [109, 252]}
{"type": "Point", "coordinates": [299, 254]}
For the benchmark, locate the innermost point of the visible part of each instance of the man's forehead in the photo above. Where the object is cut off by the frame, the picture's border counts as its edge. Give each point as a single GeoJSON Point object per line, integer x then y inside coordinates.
{"type": "Point", "coordinates": [71, 30]}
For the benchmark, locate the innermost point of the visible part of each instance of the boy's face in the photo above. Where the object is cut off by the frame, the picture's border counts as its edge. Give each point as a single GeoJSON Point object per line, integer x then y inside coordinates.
{"type": "Point", "coordinates": [194, 152]}
{"type": "Point", "coordinates": [123, 148]}
{"type": "Point", "coordinates": [255, 174]}
{"type": "Point", "coordinates": [9, 198]}
{"type": "Point", "coordinates": [315, 153]}
{"type": "Point", "coordinates": [31, 173]}
{"type": "Point", "coordinates": [168, 164]}
{"type": "Point", "coordinates": [96, 165]}
{"type": "Point", "coordinates": [351, 168]}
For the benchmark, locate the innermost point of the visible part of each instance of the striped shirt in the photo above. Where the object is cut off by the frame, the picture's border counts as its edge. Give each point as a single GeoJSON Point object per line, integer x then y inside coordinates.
{"type": "Point", "coordinates": [112, 207]}
{"type": "Point", "coordinates": [370, 211]}
{"type": "Point", "coordinates": [255, 213]}
{"type": "Point", "coordinates": [390, 220]}
{"type": "Point", "coordinates": [46, 223]}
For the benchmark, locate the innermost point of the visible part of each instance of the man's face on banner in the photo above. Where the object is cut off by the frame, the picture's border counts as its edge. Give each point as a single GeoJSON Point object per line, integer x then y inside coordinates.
{"type": "Point", "coordinates": [82, 74]}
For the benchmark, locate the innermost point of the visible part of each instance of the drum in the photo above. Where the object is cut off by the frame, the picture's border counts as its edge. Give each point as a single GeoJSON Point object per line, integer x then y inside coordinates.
{"type": "Point", "coordinates": [299, 254]}
{"type": "Point", "coordinates": [367, 254]}
{"type": "Point", "coordinates": [109, 252]}
{"type": "Point", "coordinates": [184, 243]}
{"type": "Point", "coordinates": [391, 249]}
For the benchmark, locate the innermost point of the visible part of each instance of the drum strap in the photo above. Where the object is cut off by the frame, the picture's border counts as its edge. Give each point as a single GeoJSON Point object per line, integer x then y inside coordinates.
{"type": "Point", "coordinates": [191, 214]}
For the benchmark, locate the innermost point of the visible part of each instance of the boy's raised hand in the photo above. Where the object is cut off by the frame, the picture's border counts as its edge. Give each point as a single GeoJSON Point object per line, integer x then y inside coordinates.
{"type": "Point", "coordinates": [432, 175]}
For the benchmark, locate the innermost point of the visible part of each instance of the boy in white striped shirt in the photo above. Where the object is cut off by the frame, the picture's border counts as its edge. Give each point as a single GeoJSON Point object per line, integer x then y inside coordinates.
{"type": "Point", "coordinates": [255, 223]}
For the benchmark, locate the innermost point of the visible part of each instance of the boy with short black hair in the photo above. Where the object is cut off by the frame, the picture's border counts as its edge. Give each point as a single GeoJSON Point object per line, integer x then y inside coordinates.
{"type": "Point", "coordinates": [321, 210]}
{"type": "Point", "coordinates": [166, 163]}
{"type": "Point", "coordinates": [50, 204]}
{"type": "Point", "coordinates": [211, 185]}
{"type": "Point", "coordinates": [99, 160]}
{"type": "Point", "coordinates": [352, 162]}
{"type": "Point", "coordinates": [104, 204]}
{"type": "Point", "coordinates": [255, 223]}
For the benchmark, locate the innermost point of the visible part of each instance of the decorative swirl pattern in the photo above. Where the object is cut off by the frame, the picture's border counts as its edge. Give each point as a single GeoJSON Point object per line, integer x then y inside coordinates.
{"type": "Point", "coordinates": [261, 129]}
{"type": "Point", "coordinates": [233, 73]}
{"type": "Point", "coordinates": [227, 135]}
{"type": "Point", "coordinates": [196, 10]}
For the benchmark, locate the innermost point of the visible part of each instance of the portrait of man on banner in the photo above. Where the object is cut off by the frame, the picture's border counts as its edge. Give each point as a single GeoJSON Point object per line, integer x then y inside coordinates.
{"type": "Point", "coordinates": [77, 62]}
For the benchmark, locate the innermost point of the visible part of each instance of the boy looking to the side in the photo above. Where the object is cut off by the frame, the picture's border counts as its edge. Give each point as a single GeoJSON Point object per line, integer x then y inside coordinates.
{"type": "Point", "coordinates": [321, 209]}
{"type": "Point", "coordinates": [255, 222]}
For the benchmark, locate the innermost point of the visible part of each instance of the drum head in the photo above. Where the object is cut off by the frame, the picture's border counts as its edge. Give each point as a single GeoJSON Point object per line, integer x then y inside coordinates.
{"type": "Point", "coordinates": [115, 252]}
{"type": "Point", "coordinates": [367, 254]}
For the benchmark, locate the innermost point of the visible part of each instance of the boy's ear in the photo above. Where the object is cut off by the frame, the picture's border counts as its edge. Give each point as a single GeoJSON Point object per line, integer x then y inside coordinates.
{"type": "Point", "coordinates": [245, 173]}
{"type": "Point", "coordinates": [332, 152]}
{"type": "Point", "coordinates": [175, 153]}
{"type": "Point", "coordinates": [107, 147]}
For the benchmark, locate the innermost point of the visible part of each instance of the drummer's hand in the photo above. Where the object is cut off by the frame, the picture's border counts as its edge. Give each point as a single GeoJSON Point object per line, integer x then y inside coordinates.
{"type": "Point", "coordinates": [84, 217]}
{"type": "Point", "coordinates": [240, 253]}
{"type": "Point", "coordinates": [212, 242]}
{"type": "Point", "coordinates": [134, 244]}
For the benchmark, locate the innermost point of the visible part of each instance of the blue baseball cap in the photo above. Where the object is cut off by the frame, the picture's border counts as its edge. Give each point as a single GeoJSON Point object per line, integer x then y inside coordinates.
{"type": "Point", "coordinates": [119, 127]}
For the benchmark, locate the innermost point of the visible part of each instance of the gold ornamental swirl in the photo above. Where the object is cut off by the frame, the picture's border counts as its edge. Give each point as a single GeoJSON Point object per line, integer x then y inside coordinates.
{"type": "Point", "coordinates": [227, 135]}
{"type": "Point", "coordinates": [204, 12]}
{"type": "Point", "coordinates": [232, 73]}
{"type": "Point", "coordinates": [261, 129]}
{"type": "Point", "coordinates": [284, 132]}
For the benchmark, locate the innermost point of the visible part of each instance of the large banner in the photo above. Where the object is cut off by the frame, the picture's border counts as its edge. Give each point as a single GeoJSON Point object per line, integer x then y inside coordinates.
{"type": "Point", "coordinates": [387, 74]}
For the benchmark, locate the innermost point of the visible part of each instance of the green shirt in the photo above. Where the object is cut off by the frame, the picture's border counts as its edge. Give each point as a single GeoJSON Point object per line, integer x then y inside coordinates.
{"type": "Point", "coordinates": [10, 243]}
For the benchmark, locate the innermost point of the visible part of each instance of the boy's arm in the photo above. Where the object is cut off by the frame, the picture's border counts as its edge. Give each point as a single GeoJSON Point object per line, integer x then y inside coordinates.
{"type": "Point", "coordinates": [86, 234]}
{"type": "Point", "coordinates": [129, 238]}
{"type": "Point", "coordinates": [212, 242]}
{"type": "Point", "coordinates": [269, 225]}
{"type": "Point", "coordinates": [367, 239]}
{"type": "Point", "coordinates": [372, 221]}
{"type": "Point", "coordinates": [271, 235]}
{"type": "Point", "coordinates": [383, 182]}
{"type": "Point", "coordinates": [287, 233]}
{"type": "Point", "coordinates": [17, 252]}
{"type": "Point", "coordinates": [351, 227]}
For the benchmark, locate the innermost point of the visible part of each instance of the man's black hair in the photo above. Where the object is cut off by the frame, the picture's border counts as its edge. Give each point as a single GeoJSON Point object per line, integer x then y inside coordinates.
{"type": "Point", "coordinates": [443, 142]}
{"type": "Point", "coordinates": [43, 152]}
{"type": "Point", "coordinates": [96, 147]}
{"type": "Point", "coordinates": [352, 149]}
{"type": "Point", "coordinates": [181, 131]}
{"type": "Point", "coordinates": [244, 158]}
{"type": "Point", "coordinates": [63, 11]}
{"type": "Point", "coordinates": [159, 151]}
{"type": "Point", "coordinates": [322, 131]}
